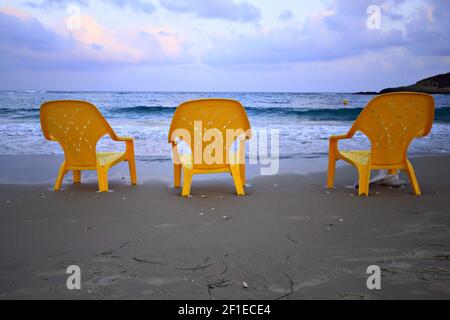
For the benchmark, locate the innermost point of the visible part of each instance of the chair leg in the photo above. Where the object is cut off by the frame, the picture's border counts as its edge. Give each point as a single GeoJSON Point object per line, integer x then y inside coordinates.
{"type": "Point", "coordinates": [177, 175]}
{"type": "Point", "coordinates": [237, 179]}
{"type": "Point", "coordinates": [105, 179]}
{"type": "Point", "coordinates": [331, 171]}
{"type": "Point", "coordinates": [76, 176]}
{"type": "Point", "coordinates": [413, 178]}
{"type": "Point", "coordinates": [59, 179]}
{"type": "Point", "coordinates": [132, 167]}
{"type": "Point", "coordinates": [100, 178]}
{"type": "Point", "coordinates": [364, 179]}
{"type": "Point", "coordinates": [102, 173]}
{"type": "Point", "coordinates": [187, 181]}
{"type": "Point", "coordinates": [242, 174]}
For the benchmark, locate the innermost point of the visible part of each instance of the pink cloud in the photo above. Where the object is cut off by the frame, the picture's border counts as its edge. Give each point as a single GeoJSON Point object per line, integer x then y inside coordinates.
{"type": "Point", "coordinates": [90, 45]}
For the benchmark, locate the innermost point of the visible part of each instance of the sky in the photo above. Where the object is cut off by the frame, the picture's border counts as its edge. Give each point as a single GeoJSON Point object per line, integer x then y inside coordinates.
{"type": "Point", "coordinates": [221, 45]}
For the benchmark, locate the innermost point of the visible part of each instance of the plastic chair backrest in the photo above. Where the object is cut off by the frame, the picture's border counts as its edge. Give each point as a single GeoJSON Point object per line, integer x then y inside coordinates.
{"type": "Point", "coordinates": [392, 121]}
{"type": "Point", "coordinates": [209, 115]}
{"type": "Point", "coordinates": [76, 126]}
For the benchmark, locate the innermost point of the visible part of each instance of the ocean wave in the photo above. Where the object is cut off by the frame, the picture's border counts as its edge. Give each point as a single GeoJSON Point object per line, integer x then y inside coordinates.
{"type": "Point", "coordinates": [15, 110]}
{"type": "Point", "coordinates": [143, 110]}
{"type": "Point", "coordinates": [347, 114]}
{"type": "Point", "coordinates": [442, 114]}
{"type": "Point", "coordinates": [343, 114]}
{"type": "Point", "coordinates": [309, 114]}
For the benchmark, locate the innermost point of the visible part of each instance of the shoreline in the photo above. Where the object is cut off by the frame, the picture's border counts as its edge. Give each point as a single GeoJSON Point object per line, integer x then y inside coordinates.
{"type": "Point", "coordinates": [42, 168]}
{"type": "Point", "coordinates": [149, 169]}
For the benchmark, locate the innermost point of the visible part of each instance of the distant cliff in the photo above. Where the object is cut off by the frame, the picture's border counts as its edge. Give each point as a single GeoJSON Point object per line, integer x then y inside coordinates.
{"type": "Point", "coordinates": [439, 84]}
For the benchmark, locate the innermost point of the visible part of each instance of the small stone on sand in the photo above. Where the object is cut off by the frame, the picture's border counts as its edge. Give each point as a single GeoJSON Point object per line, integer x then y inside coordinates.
{"type": "Point", "coordinates": [244, 284]}
{"type": "Point", "coordinates": [204, 196]}
{"type": "Point", "coordinates": [8, 202]}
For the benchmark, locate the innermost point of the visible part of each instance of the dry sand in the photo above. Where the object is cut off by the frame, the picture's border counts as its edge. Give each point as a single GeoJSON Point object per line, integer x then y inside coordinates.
{"type": "Point", "coordinates": [289, 238]}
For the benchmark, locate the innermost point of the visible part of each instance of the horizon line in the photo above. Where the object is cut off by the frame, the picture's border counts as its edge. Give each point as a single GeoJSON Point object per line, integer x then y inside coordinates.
{"type": "Point", "coordinates": [176, 91]}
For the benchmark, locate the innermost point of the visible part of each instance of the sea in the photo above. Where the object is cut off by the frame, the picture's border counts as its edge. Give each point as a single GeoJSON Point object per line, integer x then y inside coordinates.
{"type": "Point", "coordinates": [304, 121]}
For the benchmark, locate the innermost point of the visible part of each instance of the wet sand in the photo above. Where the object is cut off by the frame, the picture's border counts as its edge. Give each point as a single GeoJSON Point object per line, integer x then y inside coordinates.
{"type": "Point", "coordinates": [289, 238]}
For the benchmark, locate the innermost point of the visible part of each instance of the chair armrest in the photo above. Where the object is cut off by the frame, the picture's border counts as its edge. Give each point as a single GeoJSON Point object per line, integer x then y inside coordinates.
{"type": "Point", "coordinates": [341, 137]}
{"type": "Point", "coordinates": [117, 138]}
{"type": "Point", "coordinates": [333, 147]}
{"type": "Point", "coordinates": [129, 144]}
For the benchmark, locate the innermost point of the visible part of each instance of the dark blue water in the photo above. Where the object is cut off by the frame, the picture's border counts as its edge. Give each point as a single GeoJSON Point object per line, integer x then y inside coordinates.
{"type": "Point", "coordinates": [304, 120]}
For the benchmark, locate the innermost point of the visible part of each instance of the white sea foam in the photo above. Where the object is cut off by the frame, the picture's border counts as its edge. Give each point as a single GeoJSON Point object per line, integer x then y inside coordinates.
{"type": "Point", "coordinates": [20, 131]}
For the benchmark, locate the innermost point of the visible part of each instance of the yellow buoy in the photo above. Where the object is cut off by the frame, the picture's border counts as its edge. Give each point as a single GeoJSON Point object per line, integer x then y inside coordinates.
{"type": "Point", "coordinates": [345, 101]}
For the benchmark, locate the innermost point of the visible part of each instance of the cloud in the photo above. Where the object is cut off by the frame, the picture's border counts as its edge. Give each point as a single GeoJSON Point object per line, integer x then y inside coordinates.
{"type": "Point", "coordinates": [47, 4]}
{"type": "Point", "coordinates": [331, 49]}
{"type": "Point", "coordinates": [286, 15]}
{"type": "Point", "coordinates": [136, 5]}
{"type": "Point", "coordinates": [428, 31]}
{"type": "Point", "coordinates": [215, 9]}
{"type": "Point", "coordinates": [25, 42]}
{"type": "Point", "coordinates": [22, 32]}
{"type": "Point", "coordinates": [139, 6]}
{"type": "Point", "coordinates": [338, 31]}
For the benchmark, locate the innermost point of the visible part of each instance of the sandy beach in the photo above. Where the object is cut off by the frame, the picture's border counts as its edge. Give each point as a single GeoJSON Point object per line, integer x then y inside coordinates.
{"type": "Point", "coordinates": [289, 238]}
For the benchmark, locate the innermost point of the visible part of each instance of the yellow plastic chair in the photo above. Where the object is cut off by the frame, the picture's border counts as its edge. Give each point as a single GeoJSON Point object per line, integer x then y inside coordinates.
{"type": "Point", "coordinates": [77, 126]}
{"type": "Point", "coordinates": [391, 122]}
{"type": "Point", "coordinates": [204, 117]}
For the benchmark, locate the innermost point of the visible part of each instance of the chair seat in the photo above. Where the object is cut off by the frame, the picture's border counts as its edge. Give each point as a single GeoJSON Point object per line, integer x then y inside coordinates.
{"type": "Point", "coordinates": [186, 160]}
{"type": "Point", "coordinates": [356, 156]}
{"type": "Point", "coordinates": [110, 158]}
